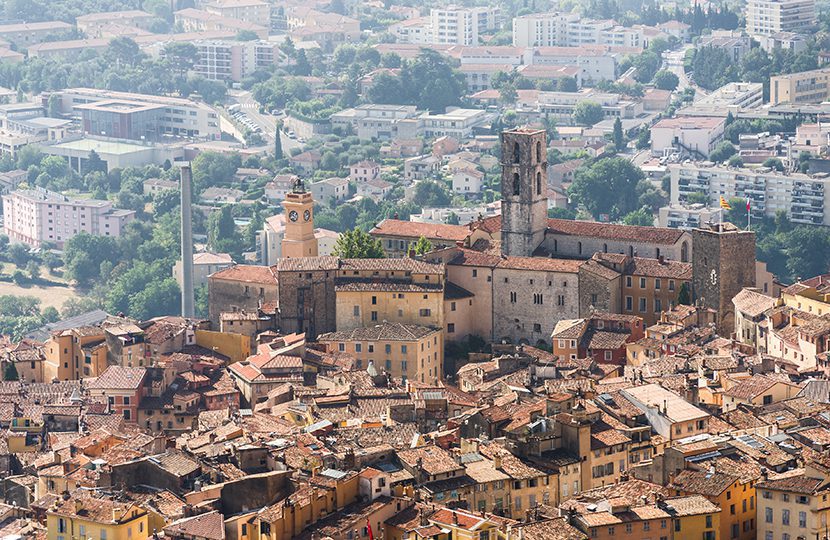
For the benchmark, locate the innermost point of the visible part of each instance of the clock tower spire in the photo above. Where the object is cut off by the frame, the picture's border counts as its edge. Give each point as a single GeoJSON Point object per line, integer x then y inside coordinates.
{"type": "Point", "coordinates": [299, 239]}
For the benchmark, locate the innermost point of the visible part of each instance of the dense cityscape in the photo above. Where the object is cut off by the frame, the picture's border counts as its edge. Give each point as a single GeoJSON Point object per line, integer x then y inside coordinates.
{"type": "Point", "coordinates": [402, 270]}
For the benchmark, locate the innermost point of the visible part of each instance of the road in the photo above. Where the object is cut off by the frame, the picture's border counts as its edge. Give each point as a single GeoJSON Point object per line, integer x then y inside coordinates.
{"type": "Point", "coordinates": [673, 61]}
{"type": "Point", "coordinates": [266, 122]}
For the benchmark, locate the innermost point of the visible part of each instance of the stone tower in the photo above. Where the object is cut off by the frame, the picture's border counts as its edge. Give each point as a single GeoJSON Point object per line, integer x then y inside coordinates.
{"type": "Point", "coordinates": [723, 263]}
{"type": "Point", "coordinates": [299, 239]}
{"type": "Point", "coordinates": [524, 201]}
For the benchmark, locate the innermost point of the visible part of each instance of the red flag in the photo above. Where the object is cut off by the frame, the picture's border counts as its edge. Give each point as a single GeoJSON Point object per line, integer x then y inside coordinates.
{"type": "Point", "coordinates": [369, 526]}
{"type": "Point", "coordinates": [747, 205]}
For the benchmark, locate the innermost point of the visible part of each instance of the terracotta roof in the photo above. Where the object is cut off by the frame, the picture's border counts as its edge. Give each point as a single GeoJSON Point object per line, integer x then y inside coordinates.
{"type": "Point", "coordinates": [690, 506]}
{"type": "Point", "coordinates": [433, 459]}
{"type": "Point", "coordinates": [702, 482]}
{"type": "Point", "coordinates": [752, 303]}
{"type": "Point", "coordinates": [119, 378]}
{"type": "Point", "coordinates": [246, 273]}
{"type": "Point", "coordinates": [751, 387]}
{"type": "Point", "coordinates": [306, 264]}
{"type": "Point", "coordinates": [381, 332]}
{"type": "Point", "coordinates": [415, 230]}
{"type": "Point", "coordinates": [469, 257]}
{"type": "Point", "coordinates": [797, 483]}
{"type": "Point", "coordinates": [210, 526]}
{"type": "Point", "coordinates": [633, 233]}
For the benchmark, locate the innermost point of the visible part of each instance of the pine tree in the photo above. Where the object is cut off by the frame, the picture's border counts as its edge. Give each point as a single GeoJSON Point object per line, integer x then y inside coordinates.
{"type": "Point", "coordinates": [421, 247]}
{"type": "Point", "coordinates": [683, 296]}
{"type": "Point", "coordinates": [278, 143]}
{"type": "Point", "coordinates": [619, 136]}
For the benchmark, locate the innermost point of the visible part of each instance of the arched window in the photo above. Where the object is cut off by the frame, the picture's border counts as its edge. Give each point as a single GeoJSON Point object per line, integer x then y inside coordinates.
{"type": "Point", "coordinates": [538, 151]}
{"type": "Point", "coordinates": [538, 183]}
{"type": "Point", "coordinates": [579, 247]}
{"type": "Point", "coordinates": [517, 184]}
{"type": "Point", "coordinates": [684, 252]}
{"type": "Point", "coordinates": [516, 153]}
{"type": "Point", "coordinates": [630, 251]}
{"type": "Point", "coordinates": [605, 248]}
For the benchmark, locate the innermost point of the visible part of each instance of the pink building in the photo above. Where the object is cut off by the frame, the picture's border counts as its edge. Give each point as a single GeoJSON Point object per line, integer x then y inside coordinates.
{"type": "Point", "coordinates": [35, 216]}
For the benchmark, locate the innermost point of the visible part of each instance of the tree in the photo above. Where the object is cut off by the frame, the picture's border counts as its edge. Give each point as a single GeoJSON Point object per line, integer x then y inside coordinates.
{"type": "Point", "coordinates": [808, 251]}
{"type": "Point", "coordinates": [223, 236]}
{"type": "Point", "coordinates": [643, 138]}
{"type": "Point", "coordinates": [773, 163]}
{"type": "Point", "coordinates": [213, 168]}
{"type": "Point", "coordinates": [94, 163]}
{"type": "Point", "coordinates": [83, 254]}
{"type": "Point", "coordinates": [124, 50]}
{"type": "Point", "coordinates": [561, 213]}
{"type": "Point", "coordinates": [639, 217]}
{"type": "Point", "coordinates": [508, 94]}
{"type": "Point", "coordinates": [421, 247]}
{"type": "Point", "coordinates": [431, 83]}
{"type": "Point", "coordinates": [722, 152]}
{"type": "Point", "coordinates": [33, 269]}
{"type": "Point", "coordinates": [618, 135]}
{"type": "Point", "coordinates": [647, 65]}
{"type": "Point", "coordinates": [54, 106]}
{"type": "Point", "coordinates": [356, 244]}
{"type": "Point", "coordinates": [165, 201]}
{"type": "Point", "coordinates": [27, 156]}
{"type": "Point", "coordinates": [246, 35]}
{"type": "Point", "coordinates": [181, 56]}
{"type": "Point", "coordinates": [735, 161]}
{"type": "Point", "coordinates": [50, 314]}
{"type": "Point", "coordinates": [10, 372]}
{"type": "Point", "coordinates": [278, 142]}
{"type": "Point", "coordinates": [18, 254]}
{"type": "Point", "coordinates": [301, 66]}
{"type": "Point", "coordinates": [607, 186]}
{"type": "Point", "coordinates": [588, 113]}
{"type": "Point", "coordinates": [431, 194]}
{"type": "Point", "coordinates": [684, 296]}
{"type": "Point", "coordinates": [666, 80]}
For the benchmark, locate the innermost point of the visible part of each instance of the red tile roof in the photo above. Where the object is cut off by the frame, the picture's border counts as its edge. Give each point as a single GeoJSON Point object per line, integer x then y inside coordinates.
{"type": "Point", "coordinates": [633, 233]}
{"type": "Point", "coordinates": [412, 229]}
{"type": "Point", "coordinates": [246, 273]}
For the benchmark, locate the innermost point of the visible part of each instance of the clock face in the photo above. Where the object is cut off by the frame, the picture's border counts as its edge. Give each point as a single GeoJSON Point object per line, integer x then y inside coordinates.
{"type": "Point", "coordinates": [713, 277]}
{"type": "Point", "coordinates": [307, 215]}
{"type": "Point", "coordinates": [293, 215]}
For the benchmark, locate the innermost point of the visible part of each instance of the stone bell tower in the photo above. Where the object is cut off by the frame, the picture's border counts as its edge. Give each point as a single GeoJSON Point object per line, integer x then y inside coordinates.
{"type": "Point", "coordinates": [524, 184]}
{"type": "Point", "coordinates": [299, 239]}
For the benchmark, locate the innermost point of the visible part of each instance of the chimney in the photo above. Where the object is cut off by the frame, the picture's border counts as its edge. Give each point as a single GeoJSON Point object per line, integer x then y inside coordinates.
{"type": "Point", "coordinates": [661, 259]}
{"type": "Point", "coordinates": [188, 302]}
{"type": "Point", "coordinates": [497, 461]}
{"type": "Point", "coordinates": [454, 517]}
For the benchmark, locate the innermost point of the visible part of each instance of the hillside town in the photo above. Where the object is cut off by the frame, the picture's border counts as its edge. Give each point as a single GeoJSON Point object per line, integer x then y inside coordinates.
{"type": "Point", "coordinates": [360, 269]}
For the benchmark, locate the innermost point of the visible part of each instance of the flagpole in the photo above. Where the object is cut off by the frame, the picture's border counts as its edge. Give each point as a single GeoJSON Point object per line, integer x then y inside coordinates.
{"type": "Point", "coordinates": [748, 215]}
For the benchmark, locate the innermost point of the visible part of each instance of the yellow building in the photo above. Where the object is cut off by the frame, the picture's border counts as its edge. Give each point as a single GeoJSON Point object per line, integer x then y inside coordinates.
{"type": "Point", "coordinates": [299, 239]}
{"type": "Point", "coordinates": [85, 516]}
{"type": "Point", "coordinates": [403, 350]}
{"type": "Point", "coordinates": [463, 525]}
{"type": "Point", "coordinates": [810, 295]}
{"type": "Point", "coordinates": [793, 505]}
{"type": "Point", "coordinates": [75, 354]}
{"type": "Point", "coordinates": [372, 291]}
{"type": "Point", "coordinates": [735, 497]}
{"type": "Point", "coordinates": [802, 87]}
{"type": "Point", "coordinates": [236, 347]}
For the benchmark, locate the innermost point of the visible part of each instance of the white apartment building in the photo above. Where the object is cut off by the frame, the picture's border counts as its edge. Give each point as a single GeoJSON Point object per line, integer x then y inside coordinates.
{"type": "Point", "coordinates": [557, 29]}
{"type": "Point", "coordinates": [596, 62]}
{"type": "Point", "coordinates": [455, 123]}
{"type": "Point", "coordinates": [731, 97]}
{"type": "Point", "coordinates": [696, 135]}
{"type": "Point", "coordinates": [805, 198]}
{"type": "Point", "coordinates": [250, 11]}
{"type": "Point", "coordinates": [35, 216]}
{"type": "Point", "coordinates": [232, 60]}
{"type": "Point", "coordinates": [454, 26]}
{"type": "Point", "coordinates": [560, 106]}
{"type": "Point", "coordinates": [204, 264]}
{"type": "Point", "coordinates": [764, 17]}
{"type": "Point", "coordinates": [378, 121]}
{"type": "Point", "coordinates": [687, 216]}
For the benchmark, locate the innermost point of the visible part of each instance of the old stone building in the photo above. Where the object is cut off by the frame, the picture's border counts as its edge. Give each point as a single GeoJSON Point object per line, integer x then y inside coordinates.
{"type": "Point", "coordinates": [723, 264]}
{"type": "Point", "coordinates": [305, 299]}
{"type": "Point", "coordinates": [524, 204]}
{"type": "Point", "coordinates": [240, 287]}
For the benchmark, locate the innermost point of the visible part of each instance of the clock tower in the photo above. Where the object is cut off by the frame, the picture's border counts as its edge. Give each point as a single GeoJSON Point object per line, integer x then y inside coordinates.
{"type": "Point", "coordinates": [723, 263]}
{"type": "Point", "coordinates": [299, 239]}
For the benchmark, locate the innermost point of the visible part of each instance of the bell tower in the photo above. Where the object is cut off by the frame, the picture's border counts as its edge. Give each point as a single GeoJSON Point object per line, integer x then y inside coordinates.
{"type": "Point", "coordinates": [299, 239]}
{"type": "Point", "coordinates": [524, 184]}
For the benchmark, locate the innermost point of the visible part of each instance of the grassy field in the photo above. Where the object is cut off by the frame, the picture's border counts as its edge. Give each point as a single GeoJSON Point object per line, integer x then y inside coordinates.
{"type": "Point", "coordinates": [49, 295]}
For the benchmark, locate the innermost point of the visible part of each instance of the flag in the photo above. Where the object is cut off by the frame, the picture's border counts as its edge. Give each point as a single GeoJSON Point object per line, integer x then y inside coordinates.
{"type": "Point", "coordinates": [747, 205]}
{"type": "Point", "coordinates": [369, 527]}
{"type": "Point", "coordinates": [725, 204]}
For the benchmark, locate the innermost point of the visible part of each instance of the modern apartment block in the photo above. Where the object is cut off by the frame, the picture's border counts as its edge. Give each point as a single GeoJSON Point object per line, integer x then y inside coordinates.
{"type": "Point", "coordinates": [805, 198]}
{"type": "Point", "coordinates": [803, 87]}
{"type": "Point", "coordinates": [454, 26]}
{"type": "Point", "coordinates": [687, 216]}
{"type": "Point", "coordinates": [557, 29]}
{"type": "Point", "coordinates": [95, 25]}
{"type": "Point", "coordinates": [766, 17]}
{"type": "Point", "coordinates": [35, 216]}
{"type": "Point", "coordinates": [24, 34]}
{"type": "Point", "coordinates": [230, 60]}
{"type": "Point", "coordinates": [135, 116]}
{"type": "Point", "coordinates": [196, 20]}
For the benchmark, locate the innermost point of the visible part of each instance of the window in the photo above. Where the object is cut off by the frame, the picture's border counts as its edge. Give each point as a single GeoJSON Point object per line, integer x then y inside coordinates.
{"type": "Point", "coordinates": [642, 283]}
{"type": "Point", "coordinates": [425, 312]}
{"type": "Point", "coordinates": [512, 297]}
{"type": "Point", "coordinates": [785, 517]}
{"type": "Point", "coordinates": [403, 349]}
{"type": "Point", "coordinates": [374, 300]}
{"type": "Point", "coordinates": [628, 281]}
{"type": "Point", "coordinates": [708, 522]}
{"type": "Point", "coordinates": [766, 494]}
{"type": "Point", "coordinates": [538, 298]}
{"type": "Point", "coordinates": [767, 515]}
{"type": "Point", "coordinates": [103, 534]}
{"type": "Point", "coordinates": [646, 526]}
{"type": "Point", "coordinates": [560, 300]}
{"type": "Point", "coordinates": [658, 305]}
{"type": "Point", "coordinates": [657, 284]}
{"type": "Point", "coordinates": [450, 328]}
{"type": "Point", "coordinates": [629, 303]}
{"type": "Point", "coordinates": [642, 305]}
{"type": "Point", "coordinates": [371, 347]}
{"type": "Point", "coordinates": [61, 525]}
{"type": "Point", "coordinates": [374, 315]}
{"type": "Point", "coordinates": [358, 347]}
{"type": "Point", "coordinates": [735, 530]}
{"type": "Point", "coordinates": [802, 519]}
{"type": "Point", "coordinates": [671, 284]}
{"type": "Point", "coordinates": [341, 347]}
{"type": "Point", "coordinates": [452, 306]}
{"type": "Point", "coordinates": [356, 311]}
{"type": "Point", "coordinates": [388, 349]}
{"type": "Point", "coordinates": [537, 327]}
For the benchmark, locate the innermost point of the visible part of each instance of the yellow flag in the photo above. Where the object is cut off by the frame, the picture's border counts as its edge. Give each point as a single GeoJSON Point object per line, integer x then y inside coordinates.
{"type": "Point", "coordinates": [725, 204]}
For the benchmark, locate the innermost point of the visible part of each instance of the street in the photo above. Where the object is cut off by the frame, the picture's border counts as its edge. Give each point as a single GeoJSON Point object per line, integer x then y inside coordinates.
{"type": "Point", "coordinates": [673, 61]}
{"type": "Point", "coordinates": [266, 122]}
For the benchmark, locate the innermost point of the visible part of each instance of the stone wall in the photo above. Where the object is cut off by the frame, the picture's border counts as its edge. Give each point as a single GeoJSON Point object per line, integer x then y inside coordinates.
{"type": "Point", "coordinates": [307, 302]}
{"type": "Point", "coordinates": [228, 295]}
